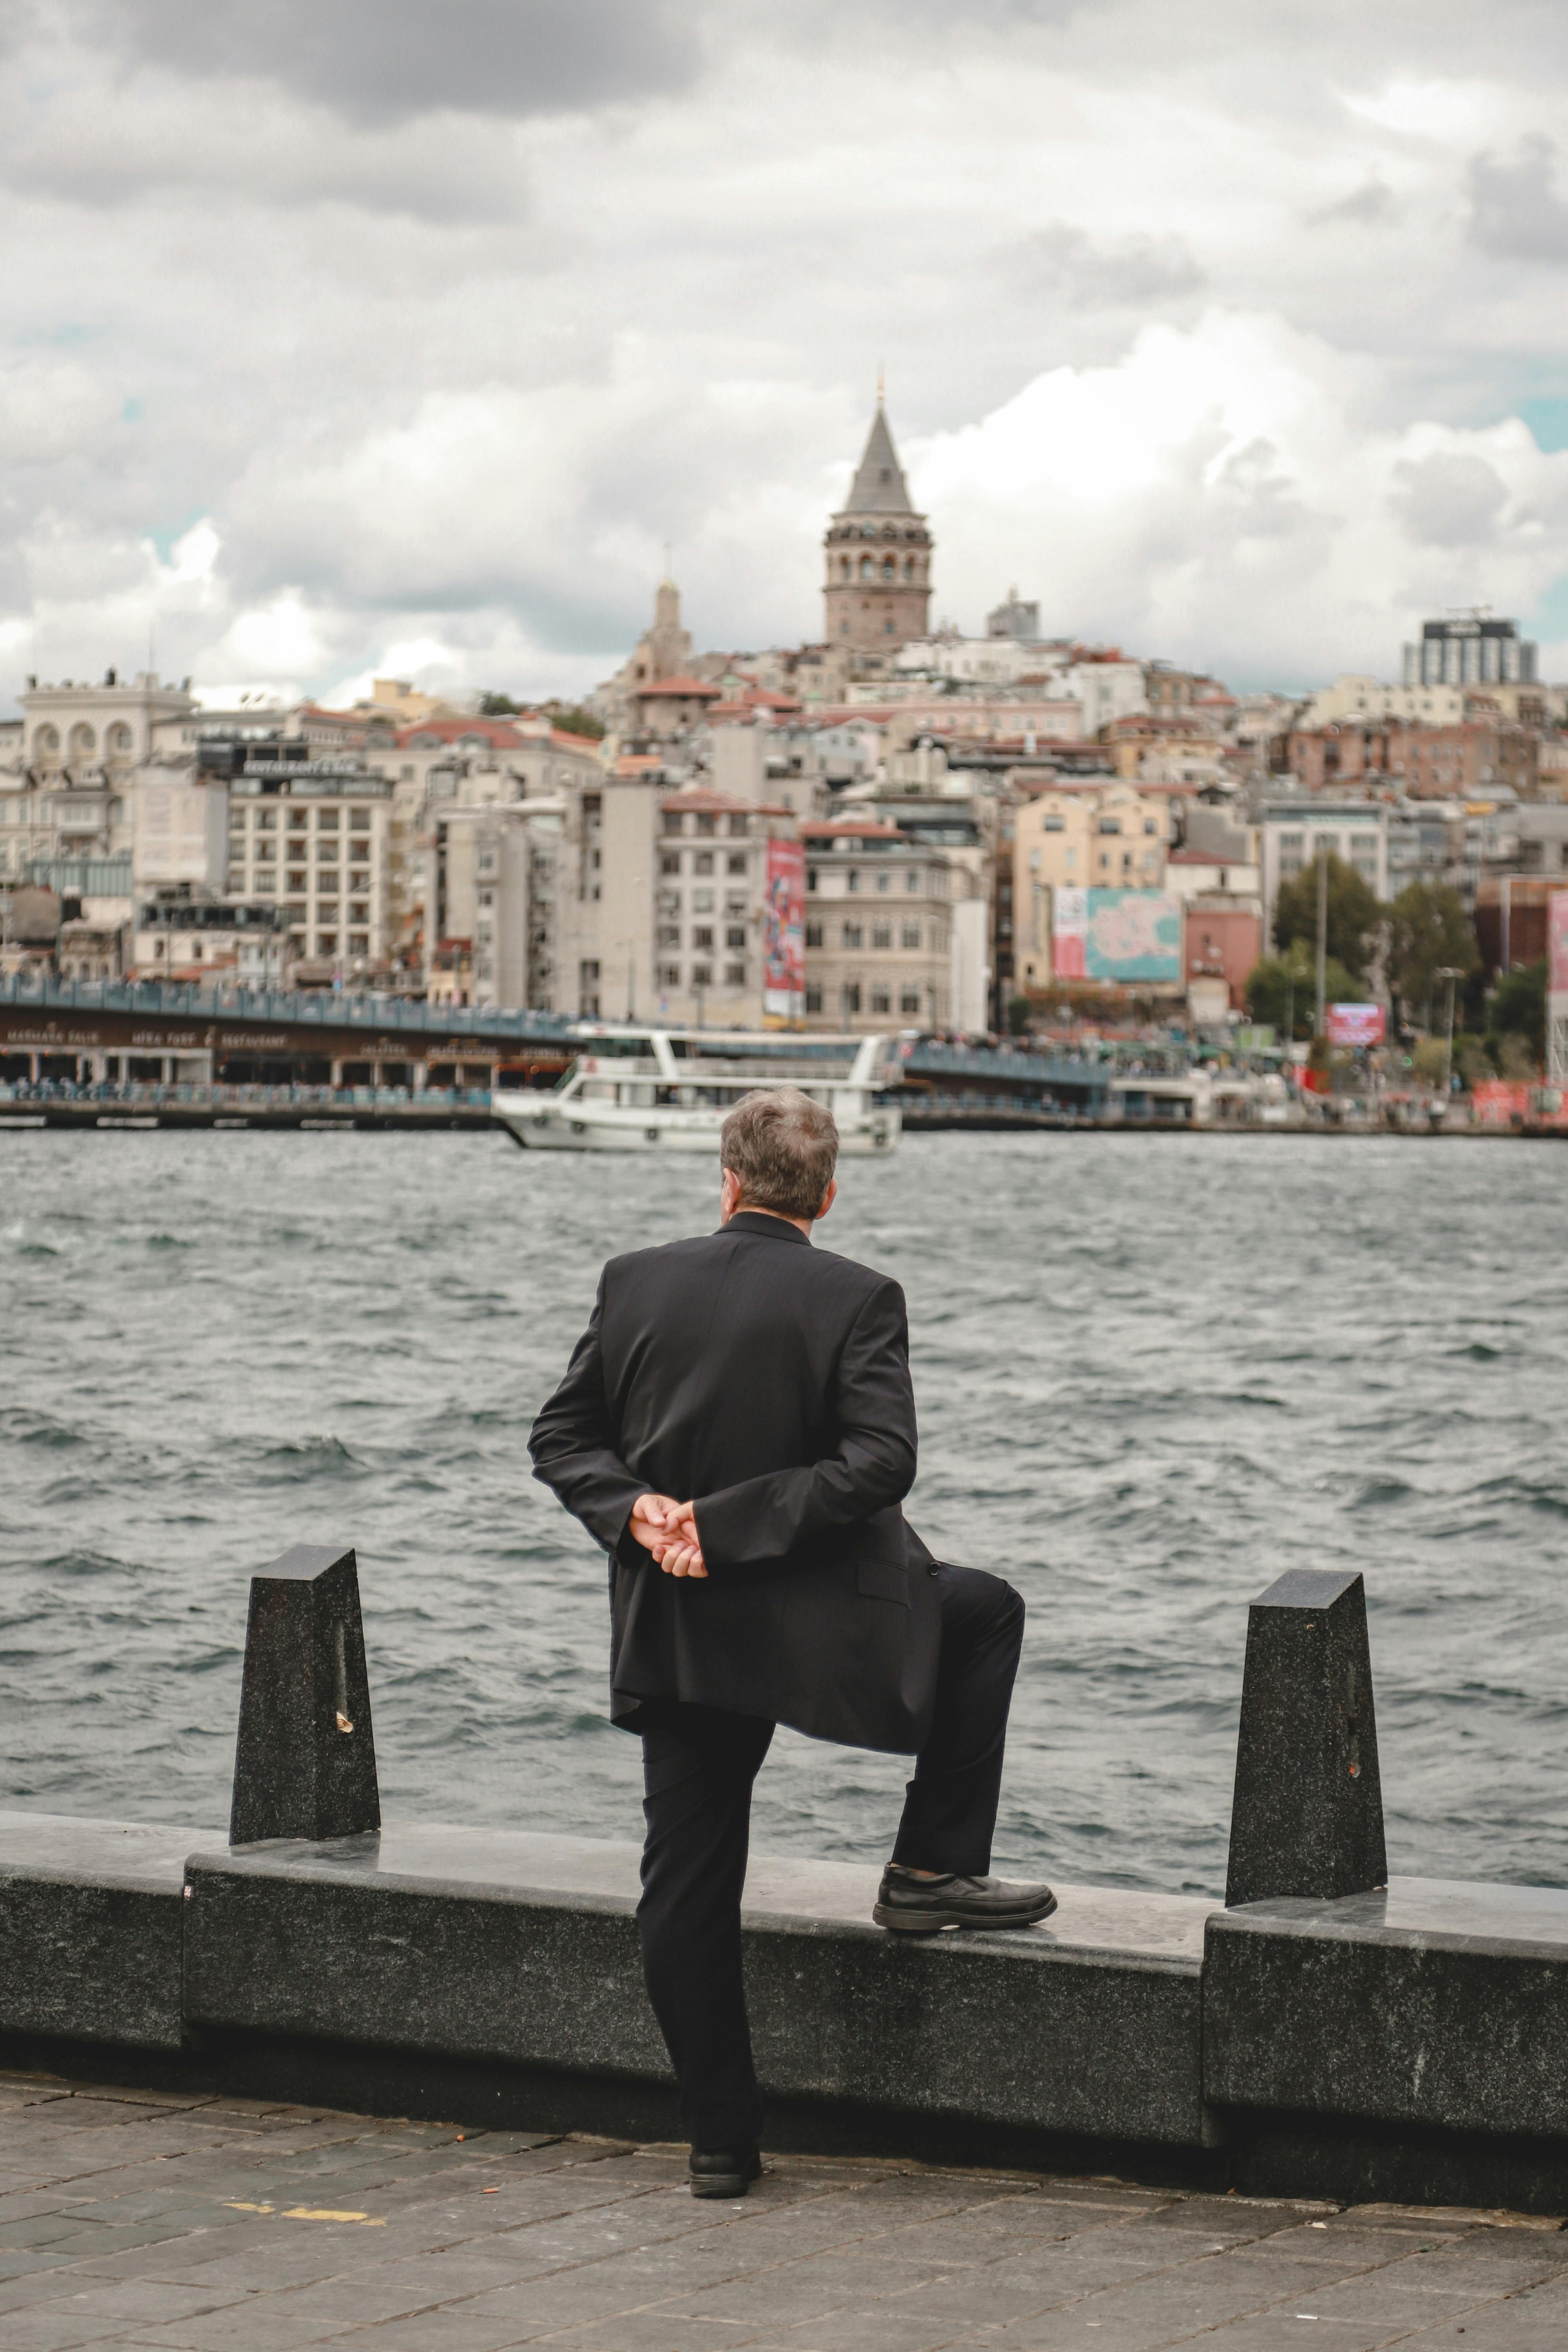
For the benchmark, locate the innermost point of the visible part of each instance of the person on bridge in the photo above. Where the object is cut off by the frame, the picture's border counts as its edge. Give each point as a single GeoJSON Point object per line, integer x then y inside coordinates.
{"type": "Point", "coordinates": [736, 1429]}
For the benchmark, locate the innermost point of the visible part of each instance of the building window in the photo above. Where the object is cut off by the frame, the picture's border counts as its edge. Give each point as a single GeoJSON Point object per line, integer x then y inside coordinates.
{"type": "Point", "coordinates": [909, 1000]}
{"type": "Point", "coordinates": [326, 821]}
{"type": "Point", "coordinates": [737, 861]}
{"type": "Point", "coordinates": [359, 820]}
{"type": "Point", "coordinates": [588, 974]}
{"type": "Point", "coordinates": [702, 902]}
{"type": "Point", "coordinates": [913, 879]}
{"type": "Point", "coordinates": [850, 937]}
{"type": "Point", "coordinates": [813, 935]}
{"type": "Point", "coordinates": [735, 937]}
{"type": "Point", "coordinates": [734, 975]}
{"type": "Point", "coordinates": [811, 878]}
{"type": "Point", "coordinates": [326, 943]}
{"type": "Point", "coordinates": [884, 881]}
{"type": "Point", "coordinates": [882, 936]}
{"type": "Point", "coordinates": [670, 975]}
{"type": "Point", "coordinates": [670, 862]}
{"type": "Point", "coordinates": [707, 825]}
{"type": "Point", "coordinates": [702, 937]}
{"type": "Point", "coordinates": [672, 819]}
{"type": "Point", "coordinates": [703, 862]}
{"type": "Point", "coordinates": [880, 1001]}
{"type": "Point", "coordinates": [852, 879]}
{"type": "Point", "coordinates": [813, 998]}
{"type": "Point", "coordinates": [851, 996]}
{"type": "Point", "coordinates": [739, 826]}
{"type": "Point", "coordinates": [670, 935]}
{"type": "Point", "coordinates": [359, 943]}
{"type": "Point", "coordinates": [701, 975]}
{"type": "Point", "coordinates": [910, 936]}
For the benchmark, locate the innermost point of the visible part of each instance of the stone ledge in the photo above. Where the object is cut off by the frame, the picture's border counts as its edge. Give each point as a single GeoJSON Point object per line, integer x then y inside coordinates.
{"type": "Point", "coordinates": [521, 1949]}
{"type": "Point", "coordinates": [1435, 2003]}
{"type": "Point", "coordinates": [91, 1921]}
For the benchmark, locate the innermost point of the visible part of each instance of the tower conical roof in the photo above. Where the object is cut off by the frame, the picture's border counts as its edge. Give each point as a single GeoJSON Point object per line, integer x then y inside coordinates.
{"type": "Point", "coordinates": [879, 488]}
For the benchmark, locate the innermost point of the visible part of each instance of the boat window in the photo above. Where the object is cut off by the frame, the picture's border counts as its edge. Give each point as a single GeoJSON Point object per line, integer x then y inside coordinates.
{"type": "Point", "coordinates": [567, 1075]}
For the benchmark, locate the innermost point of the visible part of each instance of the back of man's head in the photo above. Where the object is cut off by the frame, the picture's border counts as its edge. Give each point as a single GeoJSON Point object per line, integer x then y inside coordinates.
{"type": "Point", "coordinates": [782, 1148]}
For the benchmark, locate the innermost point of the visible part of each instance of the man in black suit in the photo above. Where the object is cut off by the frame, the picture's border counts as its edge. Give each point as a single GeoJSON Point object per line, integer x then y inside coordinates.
{"type": "Point", "coordinates": [768, 1385]}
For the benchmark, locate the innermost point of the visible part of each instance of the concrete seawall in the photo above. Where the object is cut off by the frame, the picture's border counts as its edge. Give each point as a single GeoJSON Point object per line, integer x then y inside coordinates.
{"type": "Point", "coordinates": [1412, 2044]}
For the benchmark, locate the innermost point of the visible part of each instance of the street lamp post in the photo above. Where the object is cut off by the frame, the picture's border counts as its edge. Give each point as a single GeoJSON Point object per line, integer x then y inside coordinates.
{"type": "Point", "coordinates": [1450, 973]}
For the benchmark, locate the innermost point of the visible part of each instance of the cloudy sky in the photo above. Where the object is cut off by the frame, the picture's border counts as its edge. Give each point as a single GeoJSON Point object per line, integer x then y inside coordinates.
{"type": "Point", "coordinates": [342, 336]}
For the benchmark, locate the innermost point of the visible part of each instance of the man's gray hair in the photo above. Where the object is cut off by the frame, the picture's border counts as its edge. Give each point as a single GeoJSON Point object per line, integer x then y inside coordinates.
{"type": "Point", "coordinates": [784, 1148]}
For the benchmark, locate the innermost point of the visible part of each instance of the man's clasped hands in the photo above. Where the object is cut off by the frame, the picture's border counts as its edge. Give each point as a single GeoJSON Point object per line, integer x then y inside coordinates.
{"type": "Point", "coordinates": [668, 1530]}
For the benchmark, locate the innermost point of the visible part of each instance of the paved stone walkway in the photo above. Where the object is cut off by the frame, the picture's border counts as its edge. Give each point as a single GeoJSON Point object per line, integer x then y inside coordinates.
{"type": "Point", "coordinates": [226, 2225]}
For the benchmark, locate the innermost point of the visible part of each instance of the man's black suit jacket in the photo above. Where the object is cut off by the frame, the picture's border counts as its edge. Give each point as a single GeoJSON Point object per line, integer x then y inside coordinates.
{"type": "Point", "coordinates": [768, 1381]}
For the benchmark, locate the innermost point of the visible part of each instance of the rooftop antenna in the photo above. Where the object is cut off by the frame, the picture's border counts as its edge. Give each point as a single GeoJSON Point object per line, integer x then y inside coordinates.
{"type": "Point", "coordinates": [667, 559]}
{"type": "Point", "coordinates": [881, 382]}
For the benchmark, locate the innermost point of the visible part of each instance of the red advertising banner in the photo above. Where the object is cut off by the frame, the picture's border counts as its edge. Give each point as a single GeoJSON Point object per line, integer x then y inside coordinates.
{"type": "Point", "coordinates": [1356, 1024]}
{"type": "Point", "coordinates": [784, 933]}
{"type": "Point", "coordinates": [1557, 942]}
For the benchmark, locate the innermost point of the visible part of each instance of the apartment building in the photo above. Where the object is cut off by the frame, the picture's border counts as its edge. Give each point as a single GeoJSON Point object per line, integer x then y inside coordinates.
{"type": "Point", "coordinates": [316, 844]}
{"type": "Point", "coordinates": [879, 928]}
{"type": "Point", "coordinates": [1106, 836]}
{"type": "Point", "coordinates": [713, 873]}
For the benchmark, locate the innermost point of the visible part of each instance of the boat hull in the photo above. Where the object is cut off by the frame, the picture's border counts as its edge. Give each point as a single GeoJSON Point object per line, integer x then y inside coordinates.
{"type": "Point", "coordinates": [587, 1127]}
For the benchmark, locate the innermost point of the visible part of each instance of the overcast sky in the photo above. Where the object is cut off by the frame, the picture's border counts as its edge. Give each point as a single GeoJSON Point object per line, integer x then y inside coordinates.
{"type": "Point", "coordinates": [354, 335]}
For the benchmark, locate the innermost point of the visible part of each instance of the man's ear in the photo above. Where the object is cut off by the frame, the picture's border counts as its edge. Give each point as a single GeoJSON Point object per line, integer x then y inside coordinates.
{"type": "Point", "coordinates": [828, 1198]}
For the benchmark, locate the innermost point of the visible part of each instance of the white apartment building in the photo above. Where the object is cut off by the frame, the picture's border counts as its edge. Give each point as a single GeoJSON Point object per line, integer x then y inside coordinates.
{"type": "Point", "coordinates": [1352, 697]}
{"type": "Point", "coordinates": [709, 894]}
{"type": "Point", "coordinates": [317, 845]}
{"type": "Point", "coordinates": [878, 928]}
{"type": "Point", "coordinates": [1295, 832]}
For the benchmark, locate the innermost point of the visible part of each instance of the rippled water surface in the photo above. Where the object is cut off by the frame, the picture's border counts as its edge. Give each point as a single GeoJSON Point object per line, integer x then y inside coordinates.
{"type": "Point", "coordinates": [1151, 1372]}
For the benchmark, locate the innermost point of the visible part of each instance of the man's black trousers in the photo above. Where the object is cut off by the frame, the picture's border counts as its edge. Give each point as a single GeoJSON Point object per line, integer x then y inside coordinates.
{"type": "Point", "coordinates": [698, 1765]}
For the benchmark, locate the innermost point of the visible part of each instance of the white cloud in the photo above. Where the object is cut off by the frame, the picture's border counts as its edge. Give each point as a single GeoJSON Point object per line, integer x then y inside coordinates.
{"type": "Point", "coordinates": [1218, 488]}
{"type": "Point", "coordinates": [440, 329]}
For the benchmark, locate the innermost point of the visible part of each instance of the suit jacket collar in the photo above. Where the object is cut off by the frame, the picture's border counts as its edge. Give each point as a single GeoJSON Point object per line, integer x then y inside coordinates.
{"type": "Point", "coordinates": [757, 1221]}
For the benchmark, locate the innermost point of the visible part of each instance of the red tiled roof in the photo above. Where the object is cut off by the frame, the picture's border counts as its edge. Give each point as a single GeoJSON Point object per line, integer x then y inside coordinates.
{"type": "Point", "coordinates": [684, 689]}
{"type": "Point", "coordinates": [499, 733]}
{"type": "Point", "coordinates": [709, 804]}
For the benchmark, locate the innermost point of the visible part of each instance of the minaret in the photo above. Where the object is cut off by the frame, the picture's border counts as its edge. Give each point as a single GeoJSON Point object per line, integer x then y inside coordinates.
{"type": "Point", "coordinates": [876, 591]}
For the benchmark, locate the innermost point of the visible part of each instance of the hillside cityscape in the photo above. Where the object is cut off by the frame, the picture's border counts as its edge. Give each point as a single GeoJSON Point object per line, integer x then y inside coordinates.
{"type": "Point", "coordinates": [889, 828]}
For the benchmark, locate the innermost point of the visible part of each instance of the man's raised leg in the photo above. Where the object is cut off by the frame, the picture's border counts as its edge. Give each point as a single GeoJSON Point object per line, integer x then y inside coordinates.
{"type": "Point", "coordinates": [937, 1877]}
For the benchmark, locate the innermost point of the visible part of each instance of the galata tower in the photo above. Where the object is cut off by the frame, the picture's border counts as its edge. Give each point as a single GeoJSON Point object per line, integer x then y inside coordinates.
{"type": "Point", "coordinates": [877, 588]}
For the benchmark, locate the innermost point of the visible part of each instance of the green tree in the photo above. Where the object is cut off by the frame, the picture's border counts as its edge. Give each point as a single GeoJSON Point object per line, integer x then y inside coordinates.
{"type": "Point", "coordinates": [1285, 988]}
{"type": "Point", "coordinates": [498, 706]}
{"type": "Point", "coordinates": [1519, 1007]}
{"type": "Point", "coordinates": [1018, 1016]}
{"type": "Point", "coordinates": [1354, 913]}
{"type": "Point", "coordinates": [1428, 931]}
{"type": "Point", "coordinates": [573, 720]}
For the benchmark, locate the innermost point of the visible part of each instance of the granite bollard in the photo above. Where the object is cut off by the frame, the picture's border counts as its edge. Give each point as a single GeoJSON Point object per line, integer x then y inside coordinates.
{"type": "Point", "coordinates": [305, 1763]}
{"type": "Point", "coordinates": [1307, 1819]}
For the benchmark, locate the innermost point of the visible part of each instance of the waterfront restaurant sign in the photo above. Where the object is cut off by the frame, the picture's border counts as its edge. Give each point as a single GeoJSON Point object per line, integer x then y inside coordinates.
{"type": "Point", "coordinates": [784, 933]}
{"type": "Point", "coordinates": [1122, 937]}
{"type": "Point", "coordinates": [1356, 1024]}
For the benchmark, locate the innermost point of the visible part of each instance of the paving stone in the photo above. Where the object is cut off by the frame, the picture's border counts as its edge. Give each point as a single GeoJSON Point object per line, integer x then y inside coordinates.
{"type": "Point", "coordinates": [597, 2245]}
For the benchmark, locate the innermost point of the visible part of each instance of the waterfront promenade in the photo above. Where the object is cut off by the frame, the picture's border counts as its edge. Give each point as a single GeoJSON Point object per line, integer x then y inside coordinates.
{"type": "Point", "coordinates": [225, 2225]}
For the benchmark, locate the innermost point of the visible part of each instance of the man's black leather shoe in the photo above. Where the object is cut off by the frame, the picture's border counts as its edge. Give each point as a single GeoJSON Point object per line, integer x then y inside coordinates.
{"type": "Point", "coordinates": [724, 2171]}
{"type": "Point", "coordinates": [912, 1905]}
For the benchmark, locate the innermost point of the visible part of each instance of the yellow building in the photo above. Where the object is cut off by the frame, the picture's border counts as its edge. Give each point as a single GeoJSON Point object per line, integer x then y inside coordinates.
{"type": "Point", "coordinates": [1088, 837]}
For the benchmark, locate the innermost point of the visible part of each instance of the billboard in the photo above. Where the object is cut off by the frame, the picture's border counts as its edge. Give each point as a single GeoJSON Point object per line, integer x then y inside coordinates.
{"type": "Point", "coordinates": [1119, 936]}
{"type": "Point", "coordinates": [1356, 1024]}
{"type": "Point", "coordinates": [784, 933]}
{"type": "Point", "coordinates": [1557, 942]}
{"type": "Point", "coordinates": [1070, 933]}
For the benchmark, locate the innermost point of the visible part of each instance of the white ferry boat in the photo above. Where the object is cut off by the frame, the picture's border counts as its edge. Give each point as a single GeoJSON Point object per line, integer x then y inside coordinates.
{"type": "Point", "coordinates": [672, 1089]}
